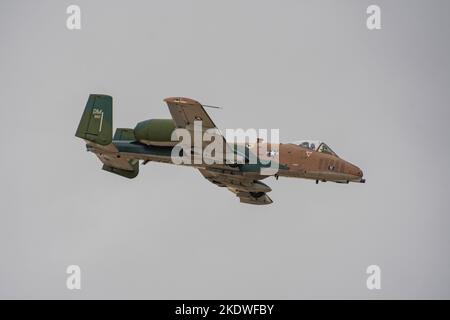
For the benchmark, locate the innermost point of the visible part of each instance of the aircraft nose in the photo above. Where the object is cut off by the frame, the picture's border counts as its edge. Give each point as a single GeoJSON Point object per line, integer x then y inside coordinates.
{"type": "Point", "coordinates": [356, 171]}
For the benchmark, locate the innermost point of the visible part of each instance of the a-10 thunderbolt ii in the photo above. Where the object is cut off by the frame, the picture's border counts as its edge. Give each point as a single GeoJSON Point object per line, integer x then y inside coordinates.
{"type": "Point", "coordinates": [151, 140]}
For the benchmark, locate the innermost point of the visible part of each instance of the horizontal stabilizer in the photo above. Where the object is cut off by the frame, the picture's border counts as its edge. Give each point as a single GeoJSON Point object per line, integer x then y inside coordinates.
{"type": "Point", "coordinates": [124, 134]}
{"type": "Point", "coordinates": [124, 173]}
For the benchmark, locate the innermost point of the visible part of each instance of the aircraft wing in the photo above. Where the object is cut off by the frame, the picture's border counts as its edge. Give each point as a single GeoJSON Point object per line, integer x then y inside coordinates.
{"type": "Point", "coordinates": [248, 190]}
{"type": "Point", "coordinates": [185, 111]}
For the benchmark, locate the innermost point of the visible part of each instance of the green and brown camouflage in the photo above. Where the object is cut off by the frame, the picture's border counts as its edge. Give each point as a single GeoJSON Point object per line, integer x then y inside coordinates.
{"type": "Point", "coordinates": [96, 121]}
{"type": "Point", "coordinates": [155, 132]}
{"type": "Point", "coordinates": [150, 140]}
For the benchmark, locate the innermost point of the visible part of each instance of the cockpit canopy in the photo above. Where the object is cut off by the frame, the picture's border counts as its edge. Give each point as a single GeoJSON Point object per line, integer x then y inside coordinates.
{"type": "Point", "coordinates": [316, 145]}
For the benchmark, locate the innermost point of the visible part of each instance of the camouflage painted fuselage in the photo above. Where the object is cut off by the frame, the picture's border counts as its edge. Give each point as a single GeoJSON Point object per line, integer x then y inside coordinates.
{"type": "Point", "coordinates": [150, 141]}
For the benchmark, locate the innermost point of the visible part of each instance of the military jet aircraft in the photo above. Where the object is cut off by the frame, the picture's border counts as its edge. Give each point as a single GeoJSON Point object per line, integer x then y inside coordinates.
{"type": "Point", "coordinates": [151, 140]}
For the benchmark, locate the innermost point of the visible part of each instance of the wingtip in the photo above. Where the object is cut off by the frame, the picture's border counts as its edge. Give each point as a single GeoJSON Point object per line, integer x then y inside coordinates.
{"type": "Point", "coordinates": [180, 100]}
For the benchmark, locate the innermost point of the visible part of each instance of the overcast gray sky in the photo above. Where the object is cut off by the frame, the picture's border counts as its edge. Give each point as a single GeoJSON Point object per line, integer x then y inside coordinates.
{"type": "Point", "coordinates": [312, 69]}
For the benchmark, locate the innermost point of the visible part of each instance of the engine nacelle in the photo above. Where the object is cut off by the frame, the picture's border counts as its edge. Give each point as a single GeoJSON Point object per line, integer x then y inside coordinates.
{"type": "Point", "coordinates": [155, 132]}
